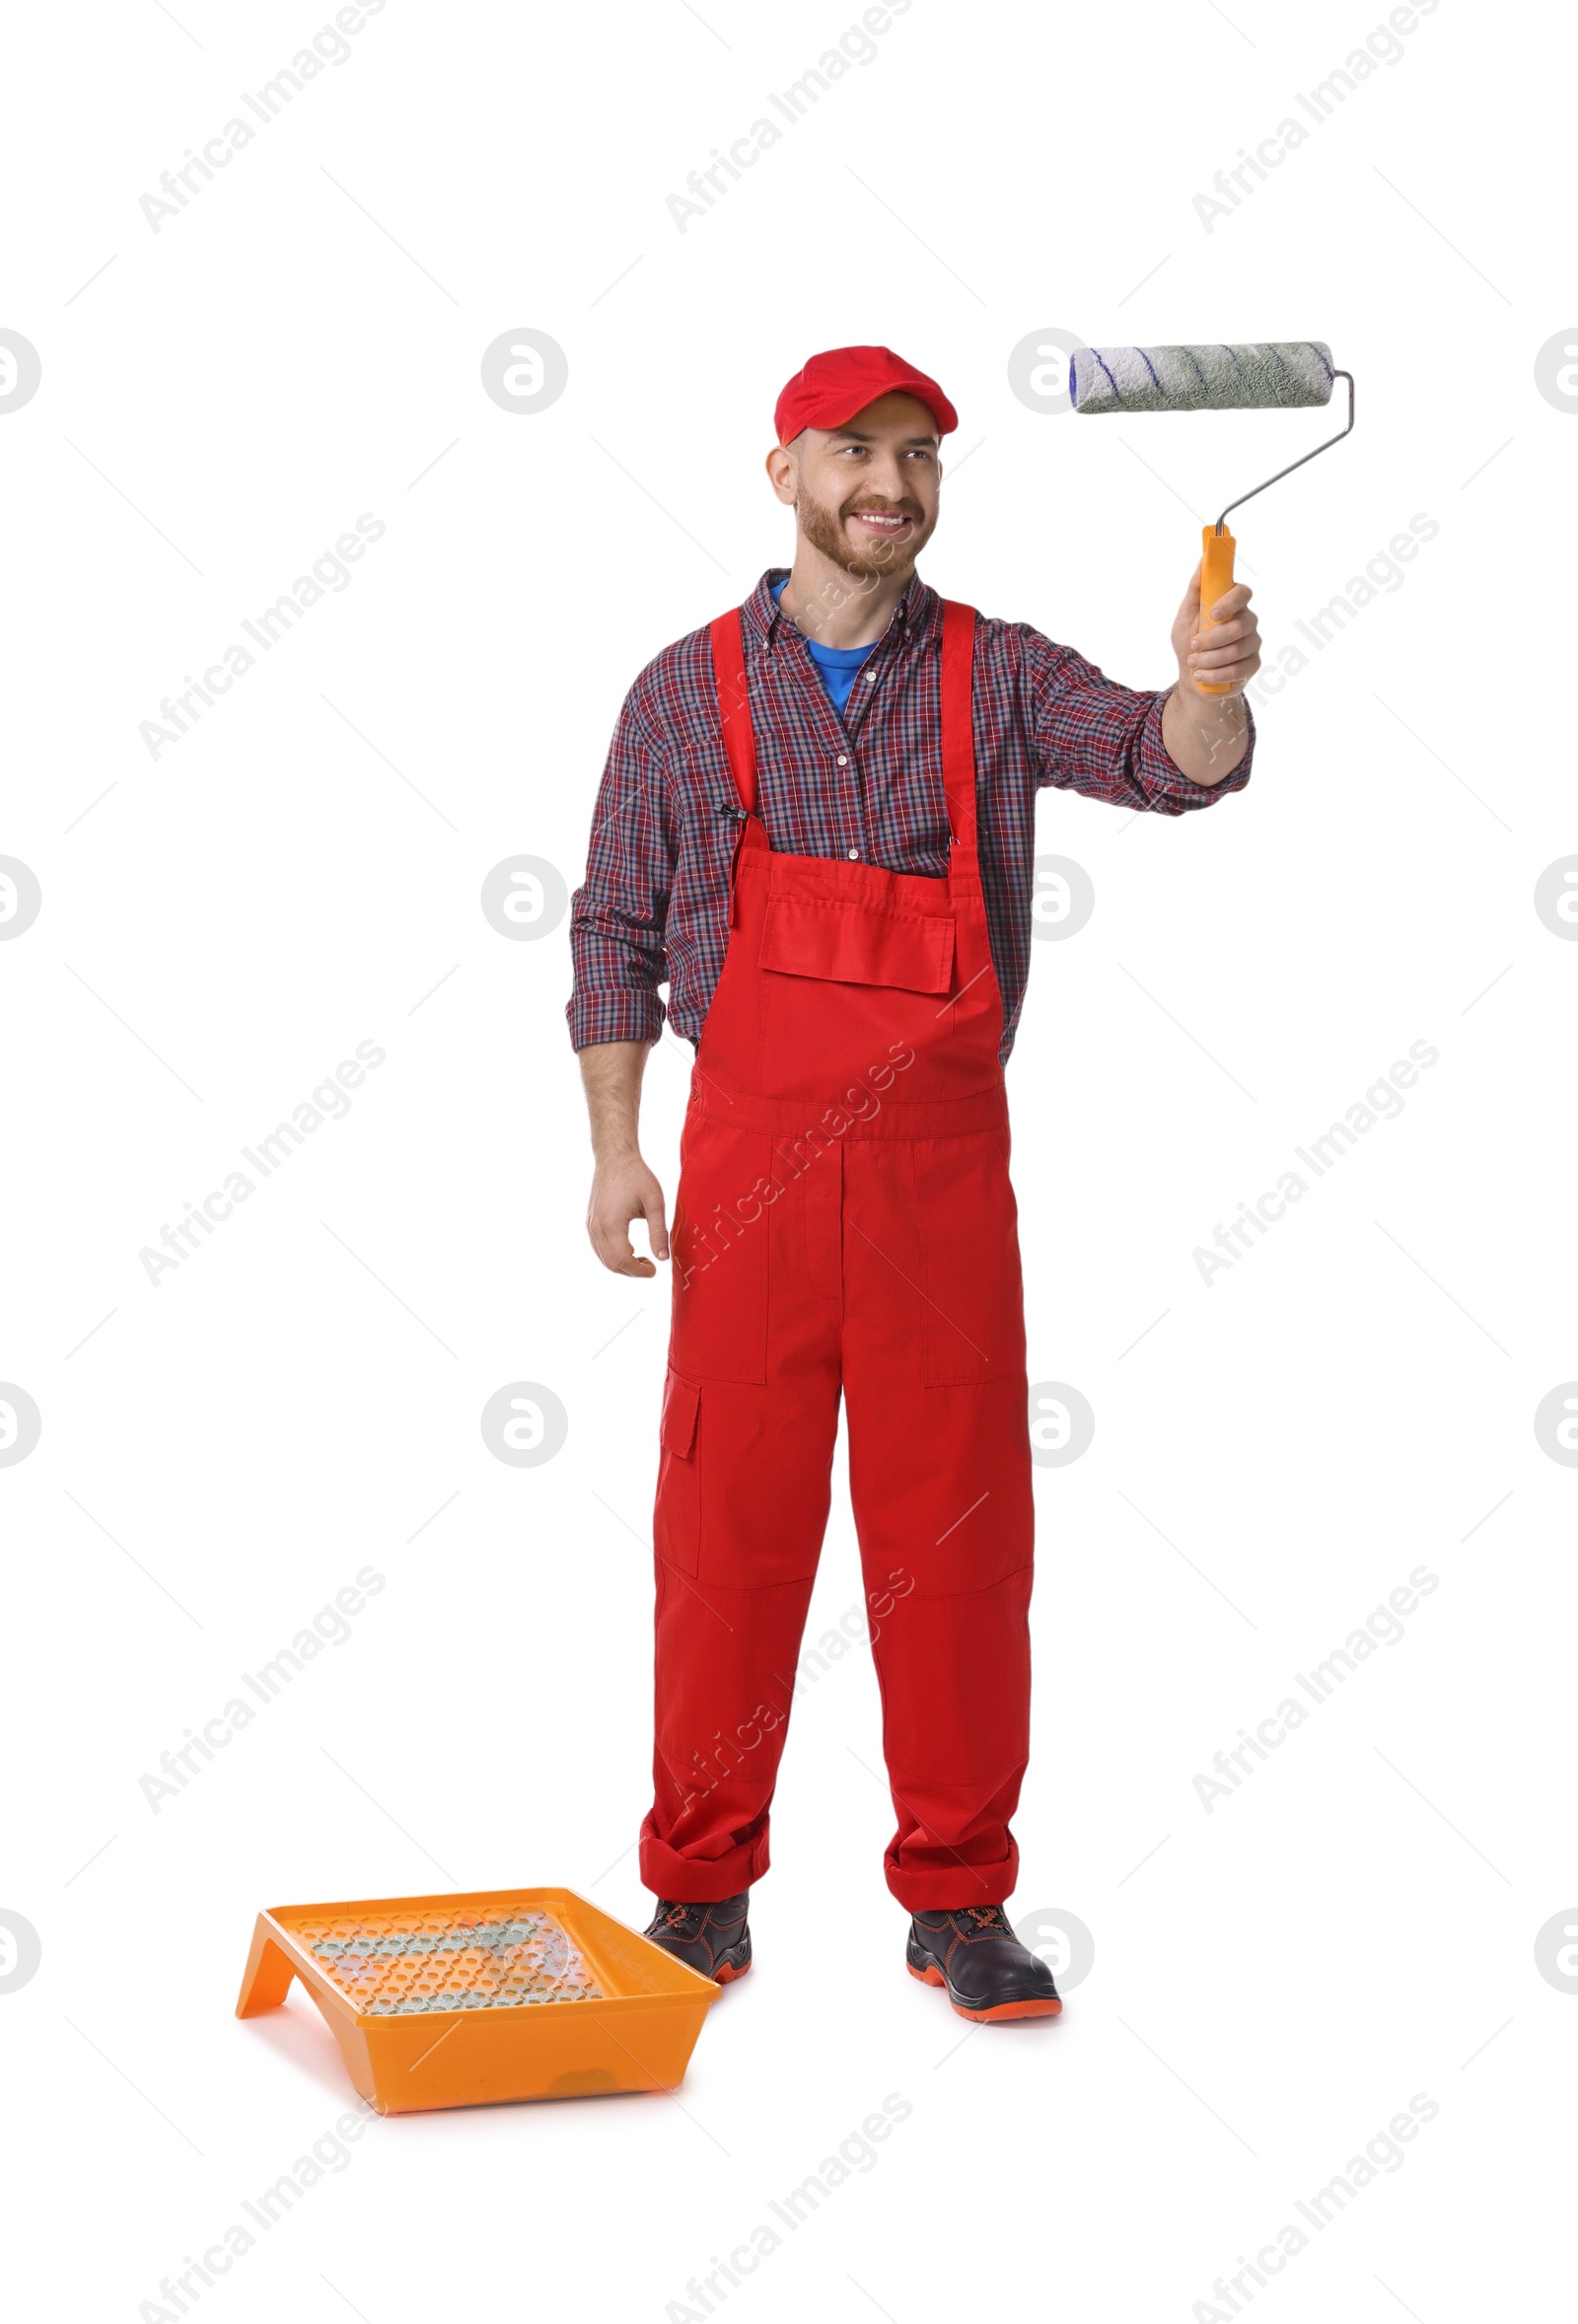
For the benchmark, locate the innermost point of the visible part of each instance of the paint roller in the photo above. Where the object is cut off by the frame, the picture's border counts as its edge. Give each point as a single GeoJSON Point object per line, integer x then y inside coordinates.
{"type": "Point", "coordinates": [1280, 374]}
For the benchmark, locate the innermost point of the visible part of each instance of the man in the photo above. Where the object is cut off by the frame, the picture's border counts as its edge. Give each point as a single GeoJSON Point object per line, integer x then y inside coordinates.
{"type": "Point", "coordinates": [817, 824]}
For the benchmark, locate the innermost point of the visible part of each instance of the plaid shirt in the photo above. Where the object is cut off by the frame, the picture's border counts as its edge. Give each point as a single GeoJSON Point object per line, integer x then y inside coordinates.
{"type": "Point", "coordinates": [654, 904]}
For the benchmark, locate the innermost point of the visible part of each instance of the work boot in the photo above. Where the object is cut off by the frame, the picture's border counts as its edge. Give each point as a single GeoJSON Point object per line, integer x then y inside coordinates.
{"type": "Point", "coordinates": [712, 1939]}
{"type": "Point", "coordinates": [973, 1953]}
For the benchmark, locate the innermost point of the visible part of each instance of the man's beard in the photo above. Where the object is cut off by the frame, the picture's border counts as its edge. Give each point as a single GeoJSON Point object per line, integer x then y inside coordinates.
{"type": "Point", "coordinates": [822, 527]}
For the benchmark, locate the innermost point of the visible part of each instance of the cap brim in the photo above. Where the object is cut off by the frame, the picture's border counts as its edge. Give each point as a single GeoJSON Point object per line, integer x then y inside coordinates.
{"type": "Point", "coordinates": [836, 415]}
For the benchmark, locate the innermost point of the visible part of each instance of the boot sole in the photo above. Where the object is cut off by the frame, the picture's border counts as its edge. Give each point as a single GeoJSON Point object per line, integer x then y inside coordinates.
{"type": "Point", "coordinates": [1004, 2012]}
{"type": "Point", "coordinates": [726, 1973]}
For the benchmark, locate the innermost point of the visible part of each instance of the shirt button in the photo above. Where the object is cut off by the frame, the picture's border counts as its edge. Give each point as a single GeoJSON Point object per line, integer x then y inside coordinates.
{"type": "Point", "coordinates": [853, 853]}
{"type": "Point", "coordinates": [841, 760]}
{"type": "Point", "coordinates": [871, 677]}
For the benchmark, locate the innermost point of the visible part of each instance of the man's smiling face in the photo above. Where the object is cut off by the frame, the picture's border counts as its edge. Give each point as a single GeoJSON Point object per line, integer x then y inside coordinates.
{"type": "Point", "coordinates": [865, 495]}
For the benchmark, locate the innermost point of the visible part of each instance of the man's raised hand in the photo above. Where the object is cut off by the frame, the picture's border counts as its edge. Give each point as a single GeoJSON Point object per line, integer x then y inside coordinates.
{"type": "Point", "coordinates": [1227, 653]}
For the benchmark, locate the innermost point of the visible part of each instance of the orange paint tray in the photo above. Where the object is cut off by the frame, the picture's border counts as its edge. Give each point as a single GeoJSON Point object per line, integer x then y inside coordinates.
{"type": "Point", "coordinates": [489, 1995]}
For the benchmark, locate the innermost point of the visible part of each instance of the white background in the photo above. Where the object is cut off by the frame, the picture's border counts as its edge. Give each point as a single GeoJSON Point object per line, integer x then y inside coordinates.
{"type": "Point", "coordinates": [302, 871]}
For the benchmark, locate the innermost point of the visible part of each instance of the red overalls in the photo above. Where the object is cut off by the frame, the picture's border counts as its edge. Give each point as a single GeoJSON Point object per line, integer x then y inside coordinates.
{"type": "Point", "coordinates": [845, 1220]}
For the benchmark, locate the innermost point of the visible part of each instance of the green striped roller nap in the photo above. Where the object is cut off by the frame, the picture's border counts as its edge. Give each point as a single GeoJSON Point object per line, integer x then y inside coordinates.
{"type": "Point", "coordinates": [1200, 379]}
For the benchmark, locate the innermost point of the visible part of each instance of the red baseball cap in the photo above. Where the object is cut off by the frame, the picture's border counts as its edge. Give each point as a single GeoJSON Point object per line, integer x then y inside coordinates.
{"type": "Point", "coordinates": [836, 385]}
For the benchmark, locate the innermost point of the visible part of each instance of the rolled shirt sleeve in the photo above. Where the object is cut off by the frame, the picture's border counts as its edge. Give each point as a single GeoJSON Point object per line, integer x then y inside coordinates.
{"type": "Point", "coordinates": [619, 915]}
{"type": "Point", "coordinates": [1095, 736]}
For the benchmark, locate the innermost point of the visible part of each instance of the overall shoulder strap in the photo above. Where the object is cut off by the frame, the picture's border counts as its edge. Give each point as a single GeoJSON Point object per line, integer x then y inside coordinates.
{"type": "Point", "coordinates": [733, 704]}
{"type": "Point", "coordinates": [959, 739]}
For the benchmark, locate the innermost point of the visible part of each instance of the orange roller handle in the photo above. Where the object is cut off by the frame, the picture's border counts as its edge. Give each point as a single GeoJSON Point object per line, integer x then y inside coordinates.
{"type": "Point", "coordinates": [1216, 578]}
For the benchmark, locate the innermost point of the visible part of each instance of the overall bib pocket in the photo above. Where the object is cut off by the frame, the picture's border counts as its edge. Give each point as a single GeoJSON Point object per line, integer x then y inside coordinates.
{"type": "Point", "coordinates": [847, 942]}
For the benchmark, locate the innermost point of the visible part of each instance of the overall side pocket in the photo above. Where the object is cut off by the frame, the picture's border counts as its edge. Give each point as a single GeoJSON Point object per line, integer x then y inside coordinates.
{"type": "Point", "coordinates": [973, 1310]}
{"type": "Point", "coordinates": [720, 1254]}
{"type": "Point", "coordinates": [676, 1516]}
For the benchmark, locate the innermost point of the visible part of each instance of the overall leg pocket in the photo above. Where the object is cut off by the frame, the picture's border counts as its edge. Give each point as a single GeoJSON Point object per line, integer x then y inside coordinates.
{"type": "Point", "coordinates": [677, 1518]}
{"type": "Point", "coordinates": [720, 1241]}
{"type": "Point", "coordinates": [973, 1307]}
